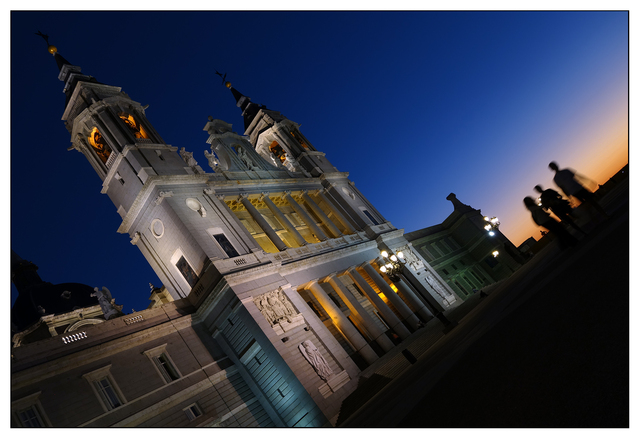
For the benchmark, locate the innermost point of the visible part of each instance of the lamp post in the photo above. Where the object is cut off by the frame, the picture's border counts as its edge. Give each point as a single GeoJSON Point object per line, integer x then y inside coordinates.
{"type": "Point", "coordinates": [393, 264]}
{"type": "Point", "coordinates": [491, 224]}
{"type": "Point", "coordinates": [392, 267]}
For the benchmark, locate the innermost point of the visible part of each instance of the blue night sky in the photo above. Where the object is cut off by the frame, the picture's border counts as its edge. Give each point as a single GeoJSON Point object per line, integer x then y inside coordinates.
{"type": "Point", "coordinates": [414, 105]}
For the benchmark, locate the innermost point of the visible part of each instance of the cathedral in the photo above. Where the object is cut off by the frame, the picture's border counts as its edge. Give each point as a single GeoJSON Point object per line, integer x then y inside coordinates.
{"type": "Point", "coordinates": [281, 281]}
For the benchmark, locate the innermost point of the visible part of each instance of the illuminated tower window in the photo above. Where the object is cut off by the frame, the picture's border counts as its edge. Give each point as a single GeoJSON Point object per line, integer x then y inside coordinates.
{"type": "Point", "coordinates": [135, 127]}
{"type": "Point", "coordinates": [100, 147]}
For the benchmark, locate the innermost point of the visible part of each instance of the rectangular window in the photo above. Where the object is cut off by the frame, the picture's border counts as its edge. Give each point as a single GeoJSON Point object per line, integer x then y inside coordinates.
{"type": "Point", "coordinates": [193, 411]}
{"type": "Point", "coordinates": [105, 388]}
{"type": "Point", "coordinates": [108, 394]}
{"type": "Point", "coordinates": [166, 368]}
{"type": "Point", "coordinates": [373, 220]}
{"type": "Point", "coordinates": [163, 363]}
{"type": "Point", "coordinates": [226, 245]}
{"type": "Point", "coordinates": [187, 272]}
{"type": "Point", "coordinates": [30, 418]}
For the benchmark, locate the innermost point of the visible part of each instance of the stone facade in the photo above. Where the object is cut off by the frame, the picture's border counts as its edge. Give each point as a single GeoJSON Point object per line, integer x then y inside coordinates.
{"type": "Point", "coordinates": [461, 250]}
{"type": "Point", "coordinates": [271, 250]}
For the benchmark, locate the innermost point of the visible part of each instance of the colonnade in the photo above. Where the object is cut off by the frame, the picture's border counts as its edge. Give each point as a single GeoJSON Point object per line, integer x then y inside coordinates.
{"type": "Point", "coordinates": [398, 324]}
{"type": "Point", "coordinates": [334, 231]}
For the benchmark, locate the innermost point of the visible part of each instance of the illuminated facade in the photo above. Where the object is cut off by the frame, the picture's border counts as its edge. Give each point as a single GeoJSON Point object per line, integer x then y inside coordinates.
{"type": "Point", "coordinates": [272, 300]}
{"type": "Point", "coordinates": [466, 251]}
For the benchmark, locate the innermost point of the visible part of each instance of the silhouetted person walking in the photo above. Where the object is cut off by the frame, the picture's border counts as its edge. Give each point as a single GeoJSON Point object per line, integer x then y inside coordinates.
{"type": "Point", "coordinates": [542, 218]}
{"type": "Point", "coordinates": [553, 201]}
{"type": "Point", "coordinates": [566, 180]}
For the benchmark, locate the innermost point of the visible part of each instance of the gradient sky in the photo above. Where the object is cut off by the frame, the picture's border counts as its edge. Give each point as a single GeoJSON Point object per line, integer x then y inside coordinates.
{"type": "Point", "coordinates": [414, 105]}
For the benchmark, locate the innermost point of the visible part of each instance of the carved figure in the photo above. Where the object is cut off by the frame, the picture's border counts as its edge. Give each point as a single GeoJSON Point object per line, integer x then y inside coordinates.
{"type": "Point", "coordinates": [106, 302]}
{"type": "Point", "coordinates": [436, 286]}
{"type": "Point", "coordinates": [214, 163]}
{"type": "Point", "coordinates": [414, 262]}
{"type": "Point", "coordinates": [315, 358]}
{"type": "Point", "coordinates": [275, 307]}
{"type": "Point", "coordinates": [242, 154]}
{"type": "Point", "coordinates": [188, 158]}
{"type": "Point", "coordinates": [288, 305]}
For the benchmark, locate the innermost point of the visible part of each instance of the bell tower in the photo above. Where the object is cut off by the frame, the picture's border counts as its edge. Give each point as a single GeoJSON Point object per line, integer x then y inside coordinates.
{"type": "Point", "coordinates": [275, 248]}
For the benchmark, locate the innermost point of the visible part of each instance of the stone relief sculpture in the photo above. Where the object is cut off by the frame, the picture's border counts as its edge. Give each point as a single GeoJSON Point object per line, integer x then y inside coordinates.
{"type": "Point", "coordinates": [275, 307]}
{"type": "Point", "coordinates": [106, 302]}
{"type": "Point", "coordinates": [242, 154]}
{"type": "Point", "coordinates": [315, 358]}
{"type": "Point", "coordinates": [447, 296]}
{"type": "Point", "coordinates": [412, 260]}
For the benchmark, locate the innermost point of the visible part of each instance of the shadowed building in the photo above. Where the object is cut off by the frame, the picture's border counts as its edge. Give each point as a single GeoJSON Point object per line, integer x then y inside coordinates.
{"type": "Point", "coordinates": [461, 250]}
{"type": "Point", "coordinates": [272, 300]}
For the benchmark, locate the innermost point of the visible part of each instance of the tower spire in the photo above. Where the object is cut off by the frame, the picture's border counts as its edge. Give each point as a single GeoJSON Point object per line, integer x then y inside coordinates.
{"type": "Point", "coordinates": [69, 74]}
{"type": "Point", "coordinates": [249, 109]}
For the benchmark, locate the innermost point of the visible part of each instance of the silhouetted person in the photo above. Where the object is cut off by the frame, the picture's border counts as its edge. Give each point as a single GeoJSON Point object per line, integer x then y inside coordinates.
{"type": "Point", "coordinates": [542, 218]}
{"type": "Point", "coordinates": [566, 180]}
{"type": "Point", "coordinates": [553, 201]}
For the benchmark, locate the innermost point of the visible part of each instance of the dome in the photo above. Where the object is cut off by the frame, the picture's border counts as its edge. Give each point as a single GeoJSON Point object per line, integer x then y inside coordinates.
{"type": "Point", "coordinates": [46, 299]}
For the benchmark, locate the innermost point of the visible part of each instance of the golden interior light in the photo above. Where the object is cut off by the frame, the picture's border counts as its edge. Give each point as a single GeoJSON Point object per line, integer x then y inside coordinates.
{"type": "Point", "coordinates": [383, 269]}
{"type": "Point", "coordinates": [400, 255]}
{"type": "Point", "coordinates": [393, 258]}
{"type": "Point", "coordinates": [384, 253]}
{"type": "Point", "coordinates": [137, 129]}
{"type": "Point", "coordinates": [99, 145]}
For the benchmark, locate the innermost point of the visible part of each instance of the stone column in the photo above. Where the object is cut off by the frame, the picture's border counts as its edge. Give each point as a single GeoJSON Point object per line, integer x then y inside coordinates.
{"type": "Point", "coordinates": [354, 306]}
{"type": "Point", "coordinates": [323, 217]}
{"type": "Point", "coordinates": [397, 302]}
{"type": "Point", "coordinates": [264, 225]}
{"type": "Point", "coordinates": [283, 220]}
{"type": "Point", "coordinates": [342, 322]}
{"type": "Point", "coordinates": [336, 212]}
{"type": "Point", "coordinates": [411, 297]}
{"type": "Point", "coordinates": [392, 320]}
{"type": "Point", "coordinates": [315, 230]}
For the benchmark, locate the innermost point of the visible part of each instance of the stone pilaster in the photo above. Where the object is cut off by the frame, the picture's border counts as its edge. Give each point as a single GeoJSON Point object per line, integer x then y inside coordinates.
{"type": "Point", "coordinates": [342, 322]}
{"type": "Point", "coordinates": [354, 306]}
{"type": "Point", "coordinates": [409, 317]}
{"type": "Point", "coordinates": [315, 230]}
{"type": "Point", "coordinates": [323, 216]}
{"type": "Point", "coordinates": [283, 220]}
{"type": "Point", "coordinates": [262, 223]}
{"type": "Point", "coordinates": [392, 320]}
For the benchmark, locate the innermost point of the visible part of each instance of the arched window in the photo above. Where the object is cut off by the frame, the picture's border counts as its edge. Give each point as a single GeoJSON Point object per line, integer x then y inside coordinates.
{"type": "Point", "coordinates": [136, 129]}
{"type": "Point", "coordinates": [100, 147]}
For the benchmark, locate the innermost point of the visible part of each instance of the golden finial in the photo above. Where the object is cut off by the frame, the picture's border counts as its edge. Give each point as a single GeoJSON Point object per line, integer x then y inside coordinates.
{"type": "Point", "coordinates": [227, 84]}
{"type": "Point", "coordinates": [50, 47]}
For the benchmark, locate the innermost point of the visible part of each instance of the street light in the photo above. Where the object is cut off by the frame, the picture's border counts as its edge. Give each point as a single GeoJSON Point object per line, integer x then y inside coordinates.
{"type": "Point", "coordinates": [491, 224]}
{"type": "Point", "coordinates": [393, 264]}
{"type": "Point", "coordinates": [495, 253]}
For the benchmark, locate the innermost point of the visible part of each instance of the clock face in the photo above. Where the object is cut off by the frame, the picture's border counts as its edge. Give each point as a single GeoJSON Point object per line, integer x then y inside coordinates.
{"type": "Point", "coordinates": [100, 147]}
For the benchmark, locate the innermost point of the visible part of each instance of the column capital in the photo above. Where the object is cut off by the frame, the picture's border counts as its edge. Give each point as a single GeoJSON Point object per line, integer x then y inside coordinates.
{"type": "Point", "coordinates": [220, 197]}
{"type": "Point", "coordinates": [209, 191]}
{"type": "Point", "coordinates": [243, 195]}
{"type": "Point", "coordinates": [263, 195]}
{"type": "Point", "coordinates": [329, 276]}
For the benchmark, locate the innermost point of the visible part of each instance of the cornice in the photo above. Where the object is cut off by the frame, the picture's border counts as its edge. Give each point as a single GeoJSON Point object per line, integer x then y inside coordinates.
{"type": "Point", "coordinates": [148, 189]}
